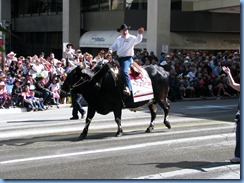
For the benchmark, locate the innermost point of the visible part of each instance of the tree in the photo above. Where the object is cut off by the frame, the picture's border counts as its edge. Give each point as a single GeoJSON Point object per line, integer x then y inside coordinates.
{"type": "Point", "coordinates": [4, 31]}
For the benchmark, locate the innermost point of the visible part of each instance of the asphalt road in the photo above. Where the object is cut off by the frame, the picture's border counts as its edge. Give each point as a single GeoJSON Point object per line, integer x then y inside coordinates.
{"type": "Point", "coordinates": [44, 145]}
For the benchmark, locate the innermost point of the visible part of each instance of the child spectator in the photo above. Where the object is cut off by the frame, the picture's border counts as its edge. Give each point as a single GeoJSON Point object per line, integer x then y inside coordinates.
{"type": "Point", "coordinates": [55, 89]}
{"type": "Point", "coordinates": [30, 101]}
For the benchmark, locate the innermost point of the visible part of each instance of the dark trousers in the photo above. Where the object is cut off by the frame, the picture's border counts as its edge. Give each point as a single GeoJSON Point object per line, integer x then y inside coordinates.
{"type": "Point", "coordinates": [77, 100]}
{"type": "Point", "coordinates": [238, 139]}
{"type": "Point", "coordinates": [47, 95]}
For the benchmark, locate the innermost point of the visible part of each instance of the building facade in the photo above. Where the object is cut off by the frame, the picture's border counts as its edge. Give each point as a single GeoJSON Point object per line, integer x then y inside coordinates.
{"type": "Point", "coordinates": [48, 25]}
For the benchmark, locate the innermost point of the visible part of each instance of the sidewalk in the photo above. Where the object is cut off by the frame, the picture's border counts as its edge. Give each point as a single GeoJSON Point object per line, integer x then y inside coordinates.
{"type": "Point", "coordinates": [23, 109]}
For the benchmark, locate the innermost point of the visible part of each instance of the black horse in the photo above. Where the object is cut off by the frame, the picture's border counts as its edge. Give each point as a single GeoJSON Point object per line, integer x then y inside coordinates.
{"type": "Point", "coordinates": [103, 92]}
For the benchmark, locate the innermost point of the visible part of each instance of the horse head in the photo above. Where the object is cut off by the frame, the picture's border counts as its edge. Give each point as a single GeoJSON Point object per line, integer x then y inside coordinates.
{"type": "Point", "coordinates": [75, 78]}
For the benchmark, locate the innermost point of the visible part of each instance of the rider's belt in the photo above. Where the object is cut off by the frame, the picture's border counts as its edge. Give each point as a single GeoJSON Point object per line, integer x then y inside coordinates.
{"type": "Point", "coordinates": [125, 58]}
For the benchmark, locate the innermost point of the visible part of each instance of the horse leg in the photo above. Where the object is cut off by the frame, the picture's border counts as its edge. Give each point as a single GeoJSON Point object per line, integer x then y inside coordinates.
{"type": "Point", "coordinates": [165, 106]}
{"type": "Point", "coordinates": [117, 116]}
{"type": "Point", "coordinates": [90, 115]}
{"type": "Point", "coordinates": [153, 110]}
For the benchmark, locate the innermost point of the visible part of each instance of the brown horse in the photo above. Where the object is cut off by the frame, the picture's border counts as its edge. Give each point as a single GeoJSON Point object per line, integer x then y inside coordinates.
{"type": "Point", "coordinates": [103, 93]}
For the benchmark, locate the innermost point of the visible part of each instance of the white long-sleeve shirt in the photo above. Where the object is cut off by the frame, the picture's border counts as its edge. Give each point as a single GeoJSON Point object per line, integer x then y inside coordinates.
{"type": "Point", "coordinates": [125, 46]}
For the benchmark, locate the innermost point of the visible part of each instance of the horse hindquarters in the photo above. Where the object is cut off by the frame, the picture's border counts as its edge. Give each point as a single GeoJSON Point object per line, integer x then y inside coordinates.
{"type": "Point", "coordinates": [160, 82]}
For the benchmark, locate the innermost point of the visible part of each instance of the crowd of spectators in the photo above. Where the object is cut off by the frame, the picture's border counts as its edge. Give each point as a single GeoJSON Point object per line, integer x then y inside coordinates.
{"type": "Point", "coordinates": [34, 81]}
{"type": "Point", "coordinates": [196, 73]}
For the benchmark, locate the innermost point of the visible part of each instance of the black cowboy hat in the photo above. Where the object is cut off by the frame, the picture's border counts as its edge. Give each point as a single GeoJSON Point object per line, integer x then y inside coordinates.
{"type": "Point", "coordinates": [17, 80]}
{"type": "Point", "coordinates": [122, 27]}
{"type": "Point", "coordinates": [69, 44]}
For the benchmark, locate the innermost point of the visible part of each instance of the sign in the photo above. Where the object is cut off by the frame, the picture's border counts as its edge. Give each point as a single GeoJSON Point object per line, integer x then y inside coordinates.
{"type": "Point", "coordinates": [165, 48]}
{"type": "Point", "coordinates": [64, 46]}
{"type": "Point", "coordinates": [105, 39]}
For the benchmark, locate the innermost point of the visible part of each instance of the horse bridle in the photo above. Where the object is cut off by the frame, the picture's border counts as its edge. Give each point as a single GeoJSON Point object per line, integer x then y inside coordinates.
{"type": "Point", "coordinates": [78, 83]}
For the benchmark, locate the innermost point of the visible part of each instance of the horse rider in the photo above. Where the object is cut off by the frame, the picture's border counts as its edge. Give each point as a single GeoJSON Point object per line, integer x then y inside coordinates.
{"type": "Point", "coordinates": [124, 45]}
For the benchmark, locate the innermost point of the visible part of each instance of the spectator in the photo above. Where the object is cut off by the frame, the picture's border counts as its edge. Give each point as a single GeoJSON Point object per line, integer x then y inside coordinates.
{"type": "Point", "coordinates": [77, 104]}
{"type": "Point", "coordinates": [152, 57]}
{"type": "Point", "coordinates": [190, 89]}
{"type": "Point", "coordinates": [137, 57]}
{"type": "Point", "coordinates": [162, 58]}
{"type": "Point", "coordinates": [192, 74]}
{"type": "Point", "coordinates": [31, 102]}
{"type": "Point", "coordinates": [55, 89]}
{"type": "Point", "coordinates": [52, 59]}
{"type": "Point", "coordinates": [17, 93]}
{"type": "Point", "coordinates": [237, 87]}
{"type": "Point", "coordinates": [182, 85]}
{"type": "Point", "coordinates": [10, 58]}
{"type": "Point", "coordinates": [42, 90]}
{"type": "Point", "coordinates": [220, 86]}
{"type": "Point", "coordinates": [59, 69]}
{"type": "Point", "coordinates": [38, 67]}
{"type": "Point", "coordinates": [5, 98]}
{"type": "Point", "coordinates": [174, 87]}
{"type": "Point", "coordinates": [70, 52]}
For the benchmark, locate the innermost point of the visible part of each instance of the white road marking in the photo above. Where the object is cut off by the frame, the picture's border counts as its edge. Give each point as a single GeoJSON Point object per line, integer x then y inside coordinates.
{"type": "Point", "coordinates": [212, 107]}
{"type": "Point", "coordinates": [136, 146]}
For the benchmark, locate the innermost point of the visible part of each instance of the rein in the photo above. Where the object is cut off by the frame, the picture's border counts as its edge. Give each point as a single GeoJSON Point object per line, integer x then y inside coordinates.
{"type": "Point", "coordinates": [77, 83]}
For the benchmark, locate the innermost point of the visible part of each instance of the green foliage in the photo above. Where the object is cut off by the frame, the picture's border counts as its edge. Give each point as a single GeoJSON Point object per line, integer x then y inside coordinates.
{"type": "Point", "coordinates": [4, 31]}
{"type": "Point", "coordinates": [1, 49]}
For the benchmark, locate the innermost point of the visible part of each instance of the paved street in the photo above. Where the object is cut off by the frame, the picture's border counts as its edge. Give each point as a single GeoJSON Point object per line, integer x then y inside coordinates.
{"type": "Point", "coordinates": [44, 145]}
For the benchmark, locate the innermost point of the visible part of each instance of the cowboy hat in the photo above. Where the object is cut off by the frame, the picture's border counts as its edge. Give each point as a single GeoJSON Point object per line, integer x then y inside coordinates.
{"type": "Point", "coordinates": [163, 63]}
{"type": "Point", "coordinates": [69, 44]}
{"type": "Point", "coordinates": [2, 75]}
{"type": "Point", "coordinates": [17, 80]}
{"type": "Point", "coordinates": [122, 27]}
{"type": "Point", "coordinates": [12, 53]}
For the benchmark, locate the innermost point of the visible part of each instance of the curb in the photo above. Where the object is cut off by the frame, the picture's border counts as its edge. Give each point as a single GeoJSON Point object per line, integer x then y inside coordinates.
{"type": "Point", "coordinates": [206, 98]}
{"type": "Point", "coordinates": [23, 109]}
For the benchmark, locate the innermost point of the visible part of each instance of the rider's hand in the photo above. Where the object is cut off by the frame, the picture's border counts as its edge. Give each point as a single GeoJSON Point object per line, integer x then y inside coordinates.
{"type": "Point", "coordinates": [140, 30]}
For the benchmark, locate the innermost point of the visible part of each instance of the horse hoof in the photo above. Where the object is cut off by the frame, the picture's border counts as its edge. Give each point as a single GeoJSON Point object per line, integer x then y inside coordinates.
{"type": "Point", "coordinates": [82, 136]}
{"type": "Point", "coordinates": [167, 124]}
{"type": "Point", "coordinates": [118, 134]}
{"type": "Point", "coordinates": [149, 130]}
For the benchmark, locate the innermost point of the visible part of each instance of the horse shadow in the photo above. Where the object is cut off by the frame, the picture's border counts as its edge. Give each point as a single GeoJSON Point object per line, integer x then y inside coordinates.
{"type": "Point", "coordinates": [194, 165]}
{"type": "Point", "coordinates": [74, 137]}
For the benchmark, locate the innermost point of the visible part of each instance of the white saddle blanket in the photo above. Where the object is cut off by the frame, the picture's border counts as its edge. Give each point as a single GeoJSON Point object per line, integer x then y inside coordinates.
{"type": "Point", "coordinates": [141, 86]}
